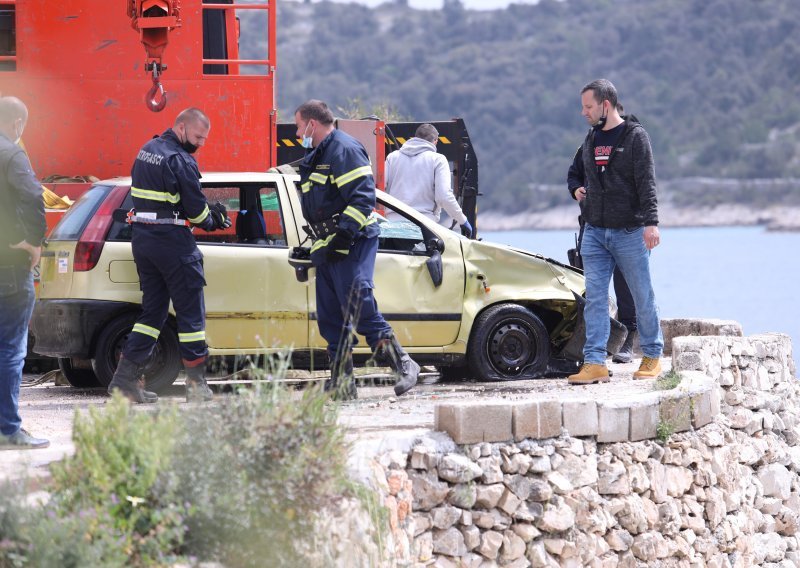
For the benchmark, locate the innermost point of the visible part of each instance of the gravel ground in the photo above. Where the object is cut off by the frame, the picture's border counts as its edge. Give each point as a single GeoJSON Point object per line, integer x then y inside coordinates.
{"type": "Point", "coordinates": [48, 410]}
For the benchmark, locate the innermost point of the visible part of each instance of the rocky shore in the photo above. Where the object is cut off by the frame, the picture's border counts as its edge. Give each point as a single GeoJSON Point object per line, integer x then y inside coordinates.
{"type": "Point", "coordinates": [565, 217]}
{"type": "Point", "coordinates": [692, 202]}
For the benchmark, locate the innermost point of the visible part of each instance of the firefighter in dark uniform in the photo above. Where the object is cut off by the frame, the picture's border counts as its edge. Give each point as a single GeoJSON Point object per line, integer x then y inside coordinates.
{"type": "Point", "coordinates": [167, 201]}
{"type": "Point", "coordinates": [337, 197]}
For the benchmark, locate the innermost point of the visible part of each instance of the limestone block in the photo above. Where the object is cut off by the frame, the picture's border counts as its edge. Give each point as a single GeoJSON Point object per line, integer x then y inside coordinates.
{"type": "Point", "coordinates": [557, 517]}
{"type": "Point", "coordinates": [488, 495]}
{"type": "Point", "coordinates": [525, 531]}
{"type": "Point", "coordinates": [463, 495]}
{"type": "Point", "coordinates": [491, 469]}
{"type": "Point", "coordinates": [445, 516]}
{"type": "Point", "coordinates": [449, 542]}
{"type": "Point", "coordinates": [703, 407]}
{"type": "Point", "coordinates": [644, 416]}
{"type": "Point", "coordinates": [423, 547]}
{"type": "Point", "coordinates": [537, 419]}
{"type": "Point", "coordinates": [614, 421]}
{"type": "Point", "coordinates": [428, 490]}
{"type": "Point", "coordinates": [471, 423]}
{"type": "Point", "coordinates": [491, 541]}
{"type": "Point", "coordinates": [580, 417]}
{"type": "Point", "coordinates": [423, 457]}
{"type": "Point", "coordinates": [777, 481]}
{"type": "Point", "coordinates": [676, 412]}
{"type": "Point", "coordinates": [520, 485]}
{"type": "Point", "coordinates": [472, 537]}
{"type": "Point", "coordinates": [580, 471]}
{"type": "Point", "coordinates": [509, 502]}
{"type": "Point", "coordinates": [458, 468]}
{"type": "Point", "coordinates": [513, 547]}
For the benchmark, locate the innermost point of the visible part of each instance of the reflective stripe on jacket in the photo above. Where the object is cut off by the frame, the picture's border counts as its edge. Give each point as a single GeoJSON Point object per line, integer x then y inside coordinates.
{"type": "Point", "coordinates": [165, 178]}
{"type": "Point", "coordinates": [336, 178]}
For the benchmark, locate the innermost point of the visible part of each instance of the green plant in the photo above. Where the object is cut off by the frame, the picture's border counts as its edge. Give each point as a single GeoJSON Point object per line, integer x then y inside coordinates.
{"type": "Point", "coordinates": [664, 430]}
{"type": "Point", "coordinates": [256, 468]}
{"type": "Point", "coordinates": [667, 381]}
{"type": "Point", "coordinates": [116, 475]}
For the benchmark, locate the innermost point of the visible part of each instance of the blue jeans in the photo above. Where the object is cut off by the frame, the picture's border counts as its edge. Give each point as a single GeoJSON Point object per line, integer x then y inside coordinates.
{"type": "Point", "coordinates": [602, 250]}
{"type": "Point", "coordinates": [344, 294]}
{"type": "Point", "coordinates": [16, 305]}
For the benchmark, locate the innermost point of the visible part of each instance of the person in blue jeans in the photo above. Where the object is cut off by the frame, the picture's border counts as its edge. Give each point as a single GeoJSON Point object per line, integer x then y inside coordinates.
{"type": "Point", "coordinates": [22, 228]}
{"type": "Point", "coordinates": [621, 212]}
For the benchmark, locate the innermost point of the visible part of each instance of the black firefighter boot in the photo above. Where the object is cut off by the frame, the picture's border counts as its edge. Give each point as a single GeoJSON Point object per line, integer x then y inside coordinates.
{"type": "Point", "coordinates": [342, 384]}
{"type": "Point", "coordinates": [625, 353]}
{"type": "Point", "coordinates": [128, 380]}
{"type": "Point", "coordinates": [404, 367]}
{"type": "Point", "coordinates": [197, 389]}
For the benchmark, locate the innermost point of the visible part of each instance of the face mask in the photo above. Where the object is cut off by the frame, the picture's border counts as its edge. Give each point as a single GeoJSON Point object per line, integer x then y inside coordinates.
{"type": "Point", "coordinates": [601, 122]}
{"type": "Point", "coordinates": [308, 141]}
{"type": "Point", "coordinates": [189, 147]}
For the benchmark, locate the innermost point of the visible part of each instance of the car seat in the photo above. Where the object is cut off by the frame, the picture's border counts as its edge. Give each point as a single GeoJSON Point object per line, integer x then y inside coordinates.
{"type": "Point", "coordinates": [250, 226]}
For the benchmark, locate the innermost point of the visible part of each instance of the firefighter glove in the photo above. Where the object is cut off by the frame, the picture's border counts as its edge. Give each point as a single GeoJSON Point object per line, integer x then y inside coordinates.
{"type": "Point", "coordinates": [339, 246]}
{"type": "Point", "coordinates": [467, 230]}
{"type": "Point", "coordinates": [219, 214]}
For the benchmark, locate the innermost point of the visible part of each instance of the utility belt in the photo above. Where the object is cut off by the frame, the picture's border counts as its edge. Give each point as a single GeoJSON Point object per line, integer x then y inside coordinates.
{"type": "Point", "coordinates": [323, 229]}
{"type": "Point", "coordinates": [157, 218]}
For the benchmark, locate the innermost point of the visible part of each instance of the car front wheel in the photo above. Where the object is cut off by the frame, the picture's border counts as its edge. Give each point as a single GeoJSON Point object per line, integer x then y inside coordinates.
{"type": "Point", "coordinates": [165, 361]}
{"type": "Point", "coordinates": [509, 342]}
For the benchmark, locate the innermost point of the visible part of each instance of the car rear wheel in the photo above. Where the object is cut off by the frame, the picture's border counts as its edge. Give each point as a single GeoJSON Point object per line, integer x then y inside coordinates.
{"type": "Point", "coordinates": [509, 342]}
{"type": "Point", "coordinates": [165, 362]}
{"type": "Point", "coordinates": [78, 372]}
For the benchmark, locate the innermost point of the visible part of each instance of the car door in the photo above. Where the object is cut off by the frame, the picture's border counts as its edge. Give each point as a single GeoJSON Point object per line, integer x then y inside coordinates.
{"type": "Point", "coordinates": [421, 313]}
{"type": "Point", "coordinates": [253, 302]}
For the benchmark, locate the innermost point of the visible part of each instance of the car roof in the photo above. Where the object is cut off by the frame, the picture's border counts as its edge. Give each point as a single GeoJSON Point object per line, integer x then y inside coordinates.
{"type": "Point", "coordinates": [213, 177]}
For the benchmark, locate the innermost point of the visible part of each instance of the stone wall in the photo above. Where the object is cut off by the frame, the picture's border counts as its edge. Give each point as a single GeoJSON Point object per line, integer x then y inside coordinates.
{"type": "Point", "coordinates": [725, 494]}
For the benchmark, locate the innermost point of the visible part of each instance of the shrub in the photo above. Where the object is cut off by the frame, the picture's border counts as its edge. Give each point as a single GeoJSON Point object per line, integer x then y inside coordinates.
{"type": "Point", "coordinates": [120, 454]}
{"type": "Point", "coordinates": [256, 468]}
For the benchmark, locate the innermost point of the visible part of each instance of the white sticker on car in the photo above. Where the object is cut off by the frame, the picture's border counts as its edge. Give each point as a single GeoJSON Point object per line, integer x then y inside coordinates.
{"type": "Point", "coordinates": [63, 265]}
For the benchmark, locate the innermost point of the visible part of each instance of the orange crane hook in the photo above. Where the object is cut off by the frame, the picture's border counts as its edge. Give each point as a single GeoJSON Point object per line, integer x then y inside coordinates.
{"type": "Point", "coordinates": [150, 98]}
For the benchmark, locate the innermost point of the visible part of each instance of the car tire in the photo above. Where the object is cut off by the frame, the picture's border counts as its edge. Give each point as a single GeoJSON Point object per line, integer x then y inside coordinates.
{"type": "Point", "coordinates": [509, 342]}
{"type": "Point", "coordinates": [79, 376]}
{"type": "Point", "coordinates": [165, 362]}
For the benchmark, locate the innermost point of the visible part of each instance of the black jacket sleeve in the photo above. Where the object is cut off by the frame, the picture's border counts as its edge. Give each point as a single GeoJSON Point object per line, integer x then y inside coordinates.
{"type": "Point", "coordinates": [575, 173]}
{"type": "Point", "coordinates": [28, 190]}
{"type": "Point", "coordinates": [644, 173]}
{"type": "Point", "coordinates": [187, 180]}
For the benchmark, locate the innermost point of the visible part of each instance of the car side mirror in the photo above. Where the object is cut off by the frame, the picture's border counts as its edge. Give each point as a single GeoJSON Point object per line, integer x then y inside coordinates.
{"type": "Point", "coordinates": [434, 264]}
{"type": "Point", "coordinates": [300, 260]}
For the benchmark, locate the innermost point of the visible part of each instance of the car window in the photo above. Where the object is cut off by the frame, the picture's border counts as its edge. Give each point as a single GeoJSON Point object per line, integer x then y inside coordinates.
{"type": "Point", "coordinates": [254, 211]}
{"type": "Point", "coordinates": [399, 236]}
{"type": "Point", "coordinates": [77, 216]}
{"type": "Point", "coordinates": [255, 214]}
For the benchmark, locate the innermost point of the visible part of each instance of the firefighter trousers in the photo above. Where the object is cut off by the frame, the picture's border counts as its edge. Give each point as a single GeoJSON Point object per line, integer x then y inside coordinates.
{"type": "Point", "coordinates": [344, 296]}
{"type": "Point", "coordinates": [170, 267]}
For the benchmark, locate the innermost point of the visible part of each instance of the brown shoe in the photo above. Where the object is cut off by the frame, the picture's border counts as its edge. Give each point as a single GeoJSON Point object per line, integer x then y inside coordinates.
{"type": "Point", "coordinates": [649, 369]}
{"type": "Point", "coordinates": [590, 374]}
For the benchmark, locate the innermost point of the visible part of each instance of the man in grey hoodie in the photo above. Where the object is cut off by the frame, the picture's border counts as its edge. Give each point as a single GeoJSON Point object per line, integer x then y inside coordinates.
{"type": "Point", "coordinates": [419, 176]}
{"type": "Point", "coordinates": [621, 213]}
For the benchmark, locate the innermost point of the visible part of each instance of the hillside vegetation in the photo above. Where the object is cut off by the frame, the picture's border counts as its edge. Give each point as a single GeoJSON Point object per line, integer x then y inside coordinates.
{"type": "Point", "coordinates": [715, 82]}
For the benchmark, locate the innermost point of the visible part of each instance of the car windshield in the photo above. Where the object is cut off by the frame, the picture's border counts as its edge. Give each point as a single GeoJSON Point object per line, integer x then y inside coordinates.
{"type": "Point", "coordinates": [77, 216]}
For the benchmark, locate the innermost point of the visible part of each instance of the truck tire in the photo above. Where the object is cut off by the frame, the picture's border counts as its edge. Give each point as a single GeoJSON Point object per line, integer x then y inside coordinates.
{"type": "Point", "coordinates": [78, 372]}
{"type": "Point", "coordinates": [165, 362]}
{"type": "Point", "coordinates": [509, 342]}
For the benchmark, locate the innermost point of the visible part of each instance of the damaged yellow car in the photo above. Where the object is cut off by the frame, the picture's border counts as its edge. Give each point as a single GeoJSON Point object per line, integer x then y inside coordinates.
{"type": "Point", "coordinates": [471, 308]}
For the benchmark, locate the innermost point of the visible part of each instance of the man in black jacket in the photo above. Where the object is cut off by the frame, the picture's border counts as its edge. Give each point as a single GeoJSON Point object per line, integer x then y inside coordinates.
{"type": "Point", "coordinates": [621, 212]}
{"type": "Point", "coordinates": [626, 309]}
{"type": "Point", "coordinates": [22, 227]}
